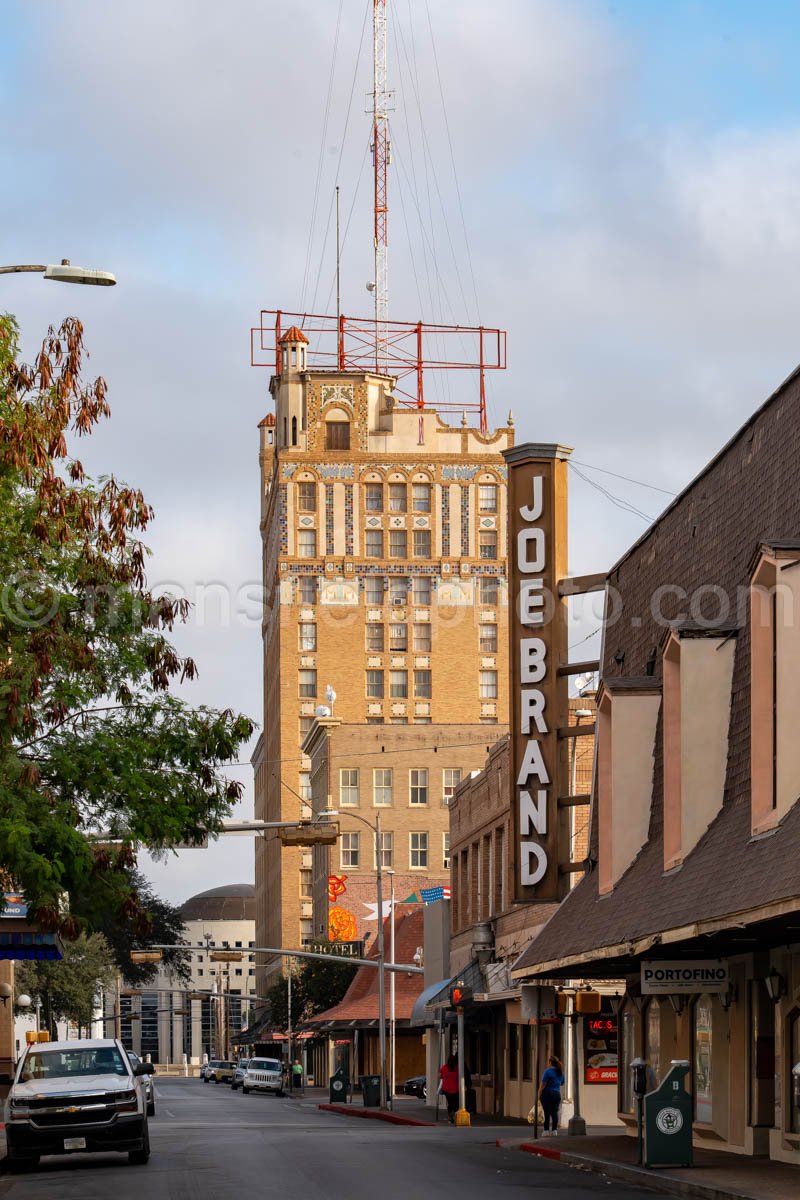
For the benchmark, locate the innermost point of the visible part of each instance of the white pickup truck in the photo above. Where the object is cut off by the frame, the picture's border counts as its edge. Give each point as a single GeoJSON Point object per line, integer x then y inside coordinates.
{"type": "Point", "coordinates": [263, 1075]}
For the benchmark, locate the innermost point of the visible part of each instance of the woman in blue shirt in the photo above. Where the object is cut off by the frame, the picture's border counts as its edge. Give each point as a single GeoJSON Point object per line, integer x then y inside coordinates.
{"type": "Point", "coordinates": [550, 1093]}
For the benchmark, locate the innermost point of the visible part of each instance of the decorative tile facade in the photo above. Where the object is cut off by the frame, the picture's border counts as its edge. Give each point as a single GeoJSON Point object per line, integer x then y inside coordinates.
{"type": "Point", "coordinates": [348, 518]}
{"type": "Point", "coordinates": [445, 522]}
{"type": "Point", "coordinates": [329, 518]}
{"type": "Point", "coordinates": [282, 525]}
{"type": "Point", "coordinates": [465, 521]}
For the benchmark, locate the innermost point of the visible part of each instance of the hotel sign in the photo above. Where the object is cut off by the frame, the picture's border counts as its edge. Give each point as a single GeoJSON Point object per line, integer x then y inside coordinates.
{"type": "Point", "coordinates": [537, 499]}
{"type": "Point", "coordinates": [685, 976]}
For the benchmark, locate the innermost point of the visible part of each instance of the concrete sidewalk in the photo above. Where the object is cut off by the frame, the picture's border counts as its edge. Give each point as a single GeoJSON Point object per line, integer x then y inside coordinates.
{"type": "Point", "coordinates": [714, 1176]}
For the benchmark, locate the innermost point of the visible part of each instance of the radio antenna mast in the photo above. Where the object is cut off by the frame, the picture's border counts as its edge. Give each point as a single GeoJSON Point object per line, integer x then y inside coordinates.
{"type": "Point", "coordinates": [381, 157]}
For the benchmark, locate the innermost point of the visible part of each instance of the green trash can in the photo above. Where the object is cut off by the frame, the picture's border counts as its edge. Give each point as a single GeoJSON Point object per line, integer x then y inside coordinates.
{"type": "Point", "coordinates": [371, 1090]}
{"type": "Point", "coordinates": [668, 1121]}
{"type": "Point", "coordinates": [338, 1087]}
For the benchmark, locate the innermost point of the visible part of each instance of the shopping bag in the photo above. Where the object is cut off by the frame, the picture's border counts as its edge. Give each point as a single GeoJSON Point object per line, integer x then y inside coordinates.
{"type": "Point", "coordinates": [533, 1118]}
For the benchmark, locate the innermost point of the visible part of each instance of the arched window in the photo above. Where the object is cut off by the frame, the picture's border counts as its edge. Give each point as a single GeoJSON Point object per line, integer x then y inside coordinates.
{"type": "Point", "coordinates": [294, 431]}
{"type": "Point", "coordinates": [703, 1059]}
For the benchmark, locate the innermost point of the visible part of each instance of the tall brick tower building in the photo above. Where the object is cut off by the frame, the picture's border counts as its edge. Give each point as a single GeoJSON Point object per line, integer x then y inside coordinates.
{"type": "Point", "coordinates": [384, 543]}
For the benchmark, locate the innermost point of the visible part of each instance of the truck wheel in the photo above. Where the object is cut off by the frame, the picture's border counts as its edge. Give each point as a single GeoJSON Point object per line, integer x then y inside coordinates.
{"type": "Point", "coordinates": [151, 1108]}
{"type": "Point", "coordinates": [245, 1090]}
{"type": "Point", "coordinates": [138, 1158]}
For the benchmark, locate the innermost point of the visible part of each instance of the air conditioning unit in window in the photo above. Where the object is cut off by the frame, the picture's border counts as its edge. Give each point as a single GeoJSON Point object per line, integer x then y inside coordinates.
{"type": "Point", "coordinates": [398, 600]}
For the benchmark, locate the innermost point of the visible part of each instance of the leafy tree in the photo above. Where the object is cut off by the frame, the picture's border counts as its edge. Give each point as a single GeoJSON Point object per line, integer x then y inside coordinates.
{"type": "Point", "coordinates": [67, 989]}
{"type": "Point", "coordinates": [316, 986]}
{"type": "Point", "coordinates": [90, 737]}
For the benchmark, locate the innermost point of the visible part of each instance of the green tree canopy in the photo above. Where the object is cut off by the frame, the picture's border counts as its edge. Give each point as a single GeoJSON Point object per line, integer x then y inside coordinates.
{"type": "Point", "coordinates": [67, 990]}
{"type": "Point", "coordinates": [316, 986]}
{"type": "Point", "coordinates": [91, 739]}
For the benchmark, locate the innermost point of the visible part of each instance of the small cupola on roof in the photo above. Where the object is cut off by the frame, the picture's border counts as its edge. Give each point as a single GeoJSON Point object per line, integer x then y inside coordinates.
{"type": "Point", "coordinates": [293, 350]}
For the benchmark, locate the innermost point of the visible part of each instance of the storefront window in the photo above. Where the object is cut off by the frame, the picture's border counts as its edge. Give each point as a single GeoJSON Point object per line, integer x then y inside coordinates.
{"type": "Point", "coordinates": [629, 1053]}
{"type": "Point", "coordinates": [527, 1052]}
{"type": "Point", "coordinates": [652, 1049]}
{"type": "Point", "coordinates": [703, 1047]}
{"type": "Point", "coordinates": [513, 1050]}
{"type": "Point", "coordinates": [794, 1073]}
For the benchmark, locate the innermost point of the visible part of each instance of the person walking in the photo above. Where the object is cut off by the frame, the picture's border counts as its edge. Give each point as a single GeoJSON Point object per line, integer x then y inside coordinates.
{"type": "Point", "coordinates": [550, 1094]}
{"type": "Point", "coordinates": [448, 1086]}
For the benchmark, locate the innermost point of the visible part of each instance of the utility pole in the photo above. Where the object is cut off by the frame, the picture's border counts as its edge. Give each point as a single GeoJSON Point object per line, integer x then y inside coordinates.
{"type": "Point", "coordinates": [381, 959]}
{"type": "Point", "coordinates": [289, 1018]}
{"type": "Point", "coordinates": [380, 159]}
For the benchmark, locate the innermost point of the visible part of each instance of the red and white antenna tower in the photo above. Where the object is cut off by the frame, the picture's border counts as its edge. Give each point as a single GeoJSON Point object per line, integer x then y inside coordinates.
{"type": "Point", "coordinates": [381, 99]}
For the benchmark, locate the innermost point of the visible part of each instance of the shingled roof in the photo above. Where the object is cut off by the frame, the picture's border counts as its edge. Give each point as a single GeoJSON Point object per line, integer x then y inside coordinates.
{"type": "Point", "coordinates": [747, 497]}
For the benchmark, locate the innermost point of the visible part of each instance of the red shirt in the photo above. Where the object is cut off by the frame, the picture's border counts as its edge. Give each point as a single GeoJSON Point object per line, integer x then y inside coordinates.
{"type": "Point", "coordinates": [449, 1079]}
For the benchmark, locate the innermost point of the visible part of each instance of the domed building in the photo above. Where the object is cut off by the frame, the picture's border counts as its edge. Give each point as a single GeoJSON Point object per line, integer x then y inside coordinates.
{"type": "Point", "coordinates": [174, 1020]}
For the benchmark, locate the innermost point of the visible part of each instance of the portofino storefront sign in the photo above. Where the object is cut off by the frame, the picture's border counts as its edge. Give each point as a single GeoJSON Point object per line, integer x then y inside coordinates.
{"type": "Point", "coordinates": [684, 976]}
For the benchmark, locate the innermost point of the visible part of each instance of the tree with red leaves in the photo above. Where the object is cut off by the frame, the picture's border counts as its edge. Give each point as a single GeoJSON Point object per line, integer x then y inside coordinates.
{"type": "Point", "coordinates": [91, 739]}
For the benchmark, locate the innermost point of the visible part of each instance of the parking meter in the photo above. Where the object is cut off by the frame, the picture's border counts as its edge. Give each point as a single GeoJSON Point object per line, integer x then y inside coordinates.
{"type": "Point", "coordinates": [639, 1074]}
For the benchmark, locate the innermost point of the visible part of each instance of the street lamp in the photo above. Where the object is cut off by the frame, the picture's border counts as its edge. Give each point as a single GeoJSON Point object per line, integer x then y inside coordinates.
{"type": "Point", "coordinates": [64, 272]}
{"type": "Point", "coordinates": [376, 829]}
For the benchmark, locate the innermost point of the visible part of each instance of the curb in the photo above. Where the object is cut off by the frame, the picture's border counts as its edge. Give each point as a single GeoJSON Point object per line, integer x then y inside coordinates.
{"type": "Point", "coordinates": [626, 1174]}
{"type": "Point", "coordinates": [347, 1110]}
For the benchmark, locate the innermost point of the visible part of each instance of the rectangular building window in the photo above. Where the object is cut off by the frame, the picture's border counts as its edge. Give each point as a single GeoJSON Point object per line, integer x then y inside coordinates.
{"type": "Point", "coordinates": [487, 497]}
{"type": "Point", "coordinates": [398, 589]}
{"type": "Point", "coordinates": [451, 778]}
{"type": "Point", "coordinates": [348, 787]}
{"type": "Point", "coordinates": [387, 850]}
{"type": "Point", "coordinates": [446, 851]}
{"type": "Point", "coordinates": [422, 685]}
{"type": "Point", "coordinates": [308, 684]}
{"type": "Point", "coordinates": [306, 497]}
{"type": "Point", "coordinates": [398, 637]}
{"type": "Point", "coordinates": [337, 435]}
{"type": "Point", "coordinates": [422, 590]}
{"type": "Point", "coordinates": [421, 497]}
{"type": "Point", "coordinates": [398, 685]}
{"type": "Point", "coordinates": [308, 589]}
{"type": "Point", "coordinates": [397, 497]}
{"type": "Point", "coordinates": [307, 543]}
{"type": "Point", "coordinates": [488, 639]}
{"type": "Point", "coordinates": [418, 851]}
{"type": "Point", "coordinates": [422, 543]}
{"type": "Point", "coordinates": [398, 543]}
{"type": "Point", "coordinates": [375, 685]}
{"type": "Point", "coordinates": [308, 636]}
{"type": "Point", "coordinates": [373, 543]}
{"type": "Point", "coordinates": [349, 851]}
{"type": "Point", "coordinates": [375, 637]}
{"type": "Point", "coordinates": [305, 785]}
{"type": "Point", "coordinates": [488, 589]}
{"type": "Point", "coordinates": [382, 787]}
{"type": "Point", "coordinates": [305, 725]}
{"type": "Point", "coordinates": [373, 497]}
{"type": "Point", "coordinates": [513, 1051]}
{"type": "Point", "coordinates": [375, 589]}
{"type": "Point", "coordinates": [306, 882]}
{"type": "Point", "coordinates": [488, 686]}
{"type": "Point", "coordinates": [487, 544]}
{"type": "Point", "coordinates": [418, 786]}
{"type": "Point", "coordinates": [422, 638]}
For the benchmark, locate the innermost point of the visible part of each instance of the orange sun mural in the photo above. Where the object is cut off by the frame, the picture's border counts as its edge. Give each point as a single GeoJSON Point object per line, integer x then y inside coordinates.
{"type": "Point", "coordinates": [341, 925]}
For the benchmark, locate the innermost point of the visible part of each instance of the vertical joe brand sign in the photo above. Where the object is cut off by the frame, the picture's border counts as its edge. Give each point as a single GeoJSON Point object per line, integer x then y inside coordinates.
{"type": "Point", "coordinates": [537, 499]}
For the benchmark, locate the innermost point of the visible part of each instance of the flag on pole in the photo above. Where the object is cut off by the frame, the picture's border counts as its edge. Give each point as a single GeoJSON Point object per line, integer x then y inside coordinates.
{"type": "Point", "coordinates": [431, 895]}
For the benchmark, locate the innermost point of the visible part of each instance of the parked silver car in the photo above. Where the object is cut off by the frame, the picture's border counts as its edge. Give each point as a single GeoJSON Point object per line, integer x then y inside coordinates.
{"type": "Point", "coordinates": [239, 1073]}
{"type": "Point", "coordinates": [207, 1070]}
{"type": "Point", "coordinates": [149, 1089]}
{"type": "Point", "coordinates": [263, 1075]}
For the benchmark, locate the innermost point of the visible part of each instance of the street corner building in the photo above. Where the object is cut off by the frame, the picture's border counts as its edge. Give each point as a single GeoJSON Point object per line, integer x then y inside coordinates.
{"type": "Point", "coordinates": [693, 898]}
{"type": "Point", "coordinates": [384, 567]}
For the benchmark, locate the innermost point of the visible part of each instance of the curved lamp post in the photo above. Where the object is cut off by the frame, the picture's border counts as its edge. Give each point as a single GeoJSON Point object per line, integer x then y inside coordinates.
{"type": "Point", "coordinates": [64, 273]}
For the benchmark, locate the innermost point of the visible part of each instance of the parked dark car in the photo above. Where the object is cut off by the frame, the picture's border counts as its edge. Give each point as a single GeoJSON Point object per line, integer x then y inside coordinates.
{"type": "Point", "coordinates": [417, 1085]}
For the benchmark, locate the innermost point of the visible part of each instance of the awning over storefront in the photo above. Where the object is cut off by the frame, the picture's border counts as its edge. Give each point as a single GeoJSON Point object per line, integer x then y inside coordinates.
{"type": "Point", "coordinates": [256, 1032]}
{"type": "Point", "coordinates": [420, 1015]}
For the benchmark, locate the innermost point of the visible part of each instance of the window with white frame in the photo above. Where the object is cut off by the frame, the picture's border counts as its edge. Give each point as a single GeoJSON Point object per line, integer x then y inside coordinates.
{"type": "Point", "coordinates": [398, 589]}
{"type": "Point", "coordinates": [488, 685]}
{"type": "Point", "coordinates": [422, 543]}
{"type": "Point", "coordinates": [375, 589]}
{"type": "Point", "coordinates": [418, 851]}
{"type": "Point", "coordinates": [375, 685]}
{"type": "Point", "coordinates": [421, 497]}
{"type": "Point", "coordinates": [306, 497]}
{"type": "Point", "coordinates": [423, 686]}
{"type": "Point", "coordinates": [308, 589]}
{"type": "Point", "coordinates": [373, 497]}
{"type": "Point", "coordinates": [487, 497]}
{"type": "Point", "coordinates": [487, 639]}
{"type": "Point", "coordinates": [418, 786]}
{"type": "Point", "coordinates": [307, 543]}
{"type": "Point", "coordinates": [373, 543]}
{"type": "Point", "coordinates": [348, 787]}
{"type": "Point", "coordinates": [446, 851]}
{"type": "Point", "coordinates": [308, 684]}
{"type": "Point", "coordinates": [305, 785]}
{"type": "Point", "coordinates": [422, 638]}
{"type": "Point", "coordinates": [487, 544]}
{"type": "Point", "coordinates": [382, 787]}
{"type": "Point", "coordinates": [422, 590]}
{"type": "Point", "coordinates": [387, 850]}
{"type": "Point", "coordinates": [398, 497]}
{"type": "Point", "coordinates": [308, 635]}
{"type": "Point", "coordinates": [398, 543]}
{"type": "Point", "coordinates": [375, 637]}
{"type": "Point", "coordinates": [349, 850]}
{"type": "Point", "coordinates": [488, 589]}
{"type": "Point", "coordinates": [451, 778]}
{"type": "Point", "coordinates": [398, 636]}
{"type": "Point", "coordinates": [398, 685]}
{"type": "Point", "coordinates": [305, 725]}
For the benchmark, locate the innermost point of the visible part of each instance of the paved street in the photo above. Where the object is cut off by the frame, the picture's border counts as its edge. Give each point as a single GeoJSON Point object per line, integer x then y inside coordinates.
{"type": "Point", "coordinates": [210, 1143]}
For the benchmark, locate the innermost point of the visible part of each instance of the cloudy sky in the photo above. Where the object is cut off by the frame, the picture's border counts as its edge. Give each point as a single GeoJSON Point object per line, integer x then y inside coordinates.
{"type": "Point", "coordinates": [617, 184]}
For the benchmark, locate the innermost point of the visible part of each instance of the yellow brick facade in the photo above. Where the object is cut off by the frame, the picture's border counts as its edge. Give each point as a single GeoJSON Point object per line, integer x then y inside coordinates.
{"type": "Point", "coordinates": [384, 563]}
